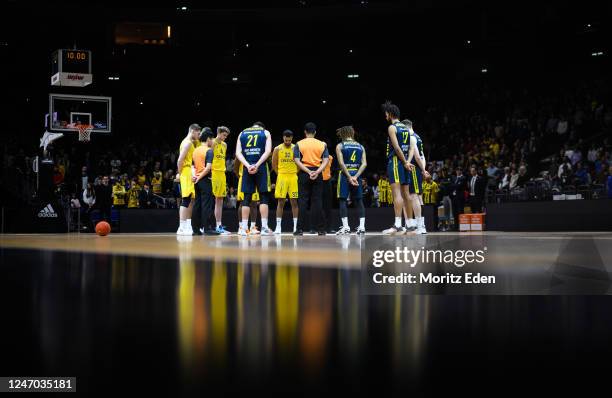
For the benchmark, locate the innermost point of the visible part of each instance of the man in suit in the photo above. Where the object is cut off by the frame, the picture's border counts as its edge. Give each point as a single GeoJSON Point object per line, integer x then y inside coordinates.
{"type": "Point", "coordinates": [145, 197]}
{"type": "Point", "coordinates": [476, 189]}
{"type": "Point", "coordinates": [458, 184]}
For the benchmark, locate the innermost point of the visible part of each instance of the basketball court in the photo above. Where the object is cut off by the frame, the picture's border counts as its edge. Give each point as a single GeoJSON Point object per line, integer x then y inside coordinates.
{"type": "Point", "coordinates": [235, 313]}
{"type": "Point", "coordinates": [102, 295]}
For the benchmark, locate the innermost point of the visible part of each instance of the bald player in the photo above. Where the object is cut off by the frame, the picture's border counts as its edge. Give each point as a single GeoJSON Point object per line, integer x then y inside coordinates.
{"type": "Point", "coordinates": [286, 179]}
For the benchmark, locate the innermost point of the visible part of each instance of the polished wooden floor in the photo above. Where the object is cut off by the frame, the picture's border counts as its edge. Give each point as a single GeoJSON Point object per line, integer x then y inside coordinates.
{"type": "Point", "coordinates": [176, 316]}
{"type": "Point", "coordinates": [307, 250]}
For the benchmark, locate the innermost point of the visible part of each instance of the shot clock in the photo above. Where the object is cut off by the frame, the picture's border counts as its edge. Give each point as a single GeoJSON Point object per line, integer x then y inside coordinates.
{"type": "Point", "coordinates": [71, 68]}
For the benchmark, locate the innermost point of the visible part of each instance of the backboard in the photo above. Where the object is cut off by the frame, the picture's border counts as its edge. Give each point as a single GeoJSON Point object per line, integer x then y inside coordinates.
{"type": "Point", "coordinates": [69, 110]}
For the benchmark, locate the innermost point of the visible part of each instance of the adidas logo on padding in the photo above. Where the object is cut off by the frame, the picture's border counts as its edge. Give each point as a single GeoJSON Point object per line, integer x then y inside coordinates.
{"type": "Point", "coordinates": [47, 212]}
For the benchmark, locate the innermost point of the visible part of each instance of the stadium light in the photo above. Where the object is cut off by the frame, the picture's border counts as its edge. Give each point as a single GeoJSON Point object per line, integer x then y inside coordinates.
{"type": "Point", "coordinates": [324, 102]}
{"type": "Point", "coordinates": [168, 31]}
{"type": "Point", "coordinates": [353, 76]}
{"type": "Point", "coordinates": [597, 54]}
{"type": "Point", "coordinates": [484, 70]}
{"type": "Point", "coordinates": [235, 79]}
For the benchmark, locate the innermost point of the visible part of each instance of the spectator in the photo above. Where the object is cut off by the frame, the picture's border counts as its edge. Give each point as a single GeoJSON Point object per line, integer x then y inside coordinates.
{"type": "Point", "coordinates": [562, 126]}
{"type": "Point", "coordinates": [58, 177]}
{"type": "Point", "coordinates": [119, 194]}
{"type": "Point", "coordinates": [457, 190]}
{"type": "Point", "coordinates": [141, 177]}
{"type": "Point", "coordinates": [522, 177]}
{"type": "Point", "coordinates": [84, 177]}
{"type": "Point", "coordinates": [367, 192]}
{"type": "Point", "coordinates": [564, 167]}
{"type": "Point", "coordinates": [145, 197]}
{"type": "Point", "coordinates": [104, 196]}
{"type": "Point", "coordinates": [156, 182]}
{"type": "Point", "coordinates": [491, 170]}
{"type": "Point", "coordinates": [132, 194]}
{"type": "Point", "coordinates": [89, 196]}
{"type": "Point", "coordinates": [74, 202]}
{"type": "Point", "coordinates": [476, 186]}
{"type": "Point", "coordinates": [582, 174]}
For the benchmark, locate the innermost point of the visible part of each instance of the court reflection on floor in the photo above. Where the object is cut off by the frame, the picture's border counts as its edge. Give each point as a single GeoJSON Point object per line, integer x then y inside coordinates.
{"type": "Point", "coordinates": [258, 319]}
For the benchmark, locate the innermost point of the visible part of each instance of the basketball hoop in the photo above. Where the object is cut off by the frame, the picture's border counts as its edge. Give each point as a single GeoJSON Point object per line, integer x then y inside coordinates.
{"type": "Point", "coordinates": [84, 132]}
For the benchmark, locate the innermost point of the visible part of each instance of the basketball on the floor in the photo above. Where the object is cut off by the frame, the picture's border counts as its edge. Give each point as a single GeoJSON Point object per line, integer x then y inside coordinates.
{"type": "Point", "coordinates": [103, 228]}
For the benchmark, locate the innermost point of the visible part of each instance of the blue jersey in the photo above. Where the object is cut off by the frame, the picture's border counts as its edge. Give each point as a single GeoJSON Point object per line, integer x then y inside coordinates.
{"type": "Point", "coordinates": [352, 153]}
{"type": "Point", "coordinates": [403, 139]}
{"type": "Point", "coordinates": [253, 142]}
{"type": "Point", "coordinates": [419, 148]}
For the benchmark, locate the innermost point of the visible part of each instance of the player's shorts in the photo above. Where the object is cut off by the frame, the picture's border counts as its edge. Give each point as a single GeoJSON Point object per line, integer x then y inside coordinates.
{"type": "Point", "coordinates": [286, 184]}
{"type": "Point", "coordinates": [416, 181]}
{"type": "Point", "coordinates": [240, 194]}
{"type": "Point", "coordinates": [187, 188]}
{"type": "Point", "coordinates": [397, 172]}
{"type": "Point", "coordinates": [219, 184]}
{"type": "Point", "coordinates": [259, 181]}
{"type": "Point", "coordinates": [345, 187]}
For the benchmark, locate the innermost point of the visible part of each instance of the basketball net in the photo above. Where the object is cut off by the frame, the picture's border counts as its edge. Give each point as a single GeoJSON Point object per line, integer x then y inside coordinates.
{"type": "Point", "coordinates": [84, 132]}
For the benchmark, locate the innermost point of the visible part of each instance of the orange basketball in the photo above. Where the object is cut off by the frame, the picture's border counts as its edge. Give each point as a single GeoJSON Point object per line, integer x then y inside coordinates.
{"type": "Point", "coordinates": [103, 228]}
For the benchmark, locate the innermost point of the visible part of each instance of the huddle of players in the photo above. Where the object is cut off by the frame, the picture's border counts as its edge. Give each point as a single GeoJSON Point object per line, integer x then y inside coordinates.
{"type": "Point", "coordinates": [201, 166]}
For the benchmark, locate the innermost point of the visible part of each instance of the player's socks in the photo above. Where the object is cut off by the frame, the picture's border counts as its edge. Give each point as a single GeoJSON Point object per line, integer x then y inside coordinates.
{"type": "Point", "coordinates": [294, 224]}
{"type": "Point", "coordinates": [398, 222]}
{"type": "Point", "coordinates": [362, 223]}
{"type": "Point", "coordinates": [278, 222]}
{"type": "Point", "coordinates": [218, 224]}
{"type": "Point", "coordinates": [345, 222]}
{"type": "Point", "coordinates": [264, 223]}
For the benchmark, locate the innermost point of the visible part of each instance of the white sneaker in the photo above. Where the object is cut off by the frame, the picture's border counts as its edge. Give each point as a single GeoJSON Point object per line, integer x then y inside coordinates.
{"type": "Point", "coordinates": [392, 231]}
{"type": "Point", "coordinates": [242, 232]}
{"type": "Point", "coordinates": [253, 231]}
{"type": "Point", "coordinates": [179, 231]}
{"type": "Point", "coordinates": [420, 231]}
{"type": "Point", "coordinates": [277, 231]}
{"type": "Point", "coordinates": [360, 231]}
{"type": "Point", "coordinates": [343, 231]}
{"type": "Point", "coordinates": [266, 232]}
{"type": "Point", "coordinates": [188, 231]}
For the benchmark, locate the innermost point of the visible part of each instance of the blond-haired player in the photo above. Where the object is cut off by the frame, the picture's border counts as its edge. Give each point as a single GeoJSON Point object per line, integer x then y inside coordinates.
{"type": "Point", "coordinates": [286, 179]}
{"type": "Point", "coordinates": [219, 180]}
{"type": "Point", "coordinates": [183, 164]}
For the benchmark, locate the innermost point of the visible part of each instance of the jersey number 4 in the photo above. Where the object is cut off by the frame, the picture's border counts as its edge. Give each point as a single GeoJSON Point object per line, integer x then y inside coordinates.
{"type": "Point", "coordinates": [354, 156]}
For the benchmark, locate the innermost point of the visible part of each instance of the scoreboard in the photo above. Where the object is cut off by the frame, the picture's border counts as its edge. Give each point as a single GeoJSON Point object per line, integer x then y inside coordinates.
{"type": "Point", "coordinates": [71, 68]}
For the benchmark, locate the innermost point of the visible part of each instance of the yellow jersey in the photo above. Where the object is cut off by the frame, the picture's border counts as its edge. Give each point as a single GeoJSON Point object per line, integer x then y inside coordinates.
{"type": "Point", "coordinates": [118, 194]}
{"type": "Point", "coordinates": [286, 164]}
{"type": "Point", "coordinates": [430, 192]}
{"type": "Point", "coordinates": [156, 183]}
{"type": "Point", "coordinates": [188, 158]}
{"type": "Point", "coordinates": [219, 151]}
{"type": "Point", "coordinates": [132, 196]}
